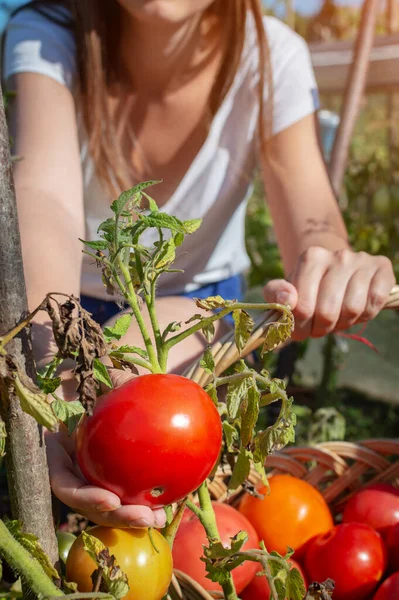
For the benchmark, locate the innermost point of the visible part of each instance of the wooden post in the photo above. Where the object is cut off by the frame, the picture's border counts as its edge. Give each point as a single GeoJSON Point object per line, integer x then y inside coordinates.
{"type": "Point", "coordinates": [26, 462]}
{"type": "Point", "coordinates": [354, 92]}
{"type": "Point", "coordinates": [392, 100]}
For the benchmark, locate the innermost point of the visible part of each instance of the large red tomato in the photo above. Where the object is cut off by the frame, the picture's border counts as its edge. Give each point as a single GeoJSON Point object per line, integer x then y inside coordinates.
{"type": "Point", "coordinates": [353, 555]}
{"type": "Point", "coordinates": [392, 542]}
{"type": "Point", "coordinates": [187, 548]}
{"type": "Point", "coordinates": [151, 441]}
{"type": "Point", "coordinates": [292, 514]}
{"type": "Point", "coordinates": [377, 505]}
{"type": "Point", "coordinates": [389, 590]}
{"type": "Point", "coordinates": [259, 588]}
{"type": "Point", "coordinates": [149, 570]}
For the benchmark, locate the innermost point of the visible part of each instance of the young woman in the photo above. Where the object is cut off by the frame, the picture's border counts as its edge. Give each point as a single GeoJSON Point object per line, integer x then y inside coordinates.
{"type": "Point", "coordinates": [196, 94]}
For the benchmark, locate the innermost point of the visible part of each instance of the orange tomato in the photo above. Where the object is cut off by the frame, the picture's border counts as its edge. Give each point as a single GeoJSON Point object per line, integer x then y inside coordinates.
{"type": "Point", "coordinates": [290, 516]}
{"type": "Point", "coordinates": [149, 572]}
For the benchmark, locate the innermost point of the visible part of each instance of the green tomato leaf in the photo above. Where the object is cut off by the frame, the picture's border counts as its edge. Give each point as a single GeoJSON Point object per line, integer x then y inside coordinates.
{"type": "Point", "coordinates": [32, 545]}
{"type": "Point", "coordinates": [162, 220]}
{"type": "Point", "coordinates": [243, 328]}
{"type": "Point", "coordinates": [212, 392]}
{"type": "Point", "coordinates": [241, 469]}
{"type": "Point", "coordinates": [126, 349]}
{"type": "Point", "coordinates": [236, 393]}
{"type": "Point", "coordinates": [207, 361]}
{"type": "Point", "coordinates": [213, 302]}
{"type": "Point", "coordinates": [260, 469]}
{"type": "Point", "coordinates": [95, 244]}
{"type": "Point", "coordinates": [3, 437]}
{"type": "Point", "coordinates": [48, 385]}
{"type": "Point", "coordinates": [278, 332]}
{"type": "Point", "coordinates": [209, 332]}
{"type": "Point", "coordinates": [153, 206]}
{"type": "Point", "coordinates": [231, 436]}
{"type": "Point", "coordinates": [294, 586]}
{"type": "Point", "coordinates": [249, 415]}
{"type": "Point", "coordinates": [192, 225]}
{"type": "Point", "coordinates": [167, 254]}
{"type": "Point", "coordinates": [133, 194]}
{"type": "Point", "coordinates": [277, 436]}
{"type": "Point", "coordinates": [35, 404]}
{"type": "Point", "coordinates": [100, 373]}
{"type": "Point", "coordinates": [119, 328]}
{"type": "Point", "coordinates": [220, 561]}
{"type": "Point", "coordinates": [69, 413]}
{"type": "Point", "coordinates": [179, 239]}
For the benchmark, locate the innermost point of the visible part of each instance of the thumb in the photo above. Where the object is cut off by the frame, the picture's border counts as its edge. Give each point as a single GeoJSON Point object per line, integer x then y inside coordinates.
{"type": "Point", "coordinates": [281, 292]}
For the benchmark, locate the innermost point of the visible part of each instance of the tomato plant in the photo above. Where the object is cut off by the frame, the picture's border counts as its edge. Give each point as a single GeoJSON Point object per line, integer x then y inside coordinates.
{"type": "Point", "coordinates": [65, 541]}
{"type": "Point", "coordinates": [389, 590]}
{"type": "Point", "coordinates": [292, 513]}
{"type": "Point", "coordinates": [392, 542]}
{"type": "Point", "coordinates": [148, 568]}
{"type": "Point", "coordinates": [259, 588]}
{"type": "Point", "coordinates": [353, 555]}
{"type": "Point", "coordinates": [187, 548]}
{"type": "Point", "coordinates": [151, 441]}
{"type": "Point", "coordinates": [378, 506]}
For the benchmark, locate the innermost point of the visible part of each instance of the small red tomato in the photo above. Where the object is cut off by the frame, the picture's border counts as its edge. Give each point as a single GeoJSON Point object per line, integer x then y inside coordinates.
{"type": "Point", "coordinates": [389, 590]}
{"type": "Point", "coordinates": [290, 515]}
{"type": "Point", "coordinates": [190, 538]}
{"type": "Point", "coordinates": [151, 441]}
{"type": "Point", "coordinates": [259, 588]}
{"type": "Point", "coordinates": [392, 542]}
{"type": "Point", "coordinates": [377, 506]}
{"type": "Point", "coordinates": [353, 555]}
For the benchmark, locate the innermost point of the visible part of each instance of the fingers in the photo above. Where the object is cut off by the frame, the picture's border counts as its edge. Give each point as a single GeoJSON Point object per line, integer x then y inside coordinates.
{"type": "Point", "coordinates": [336, 290]}
{"type": "Point", "coordinates": [281, 291]}
{"type": "Point", "coordinates": [99, 505]}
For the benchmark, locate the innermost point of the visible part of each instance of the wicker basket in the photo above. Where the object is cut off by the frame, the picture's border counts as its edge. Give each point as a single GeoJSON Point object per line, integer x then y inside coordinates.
{"type": "Point", "coordinates": [337, 469]}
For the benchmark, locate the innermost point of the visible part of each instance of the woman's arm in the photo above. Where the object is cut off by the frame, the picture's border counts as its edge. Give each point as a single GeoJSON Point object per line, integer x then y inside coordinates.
{"type": "Point", "coordinates": [48, 182]}
{"type": "Point", "coordinates": [330, 286]}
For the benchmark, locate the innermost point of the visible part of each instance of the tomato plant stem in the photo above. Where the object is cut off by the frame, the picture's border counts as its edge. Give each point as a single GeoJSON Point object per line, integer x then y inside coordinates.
{"type": "Point", "coordinates": [169, 532]}
{"type": "Point", "coordinates": [131, 297]}
{"type": "Point", "coordinates": [208, 520]}
{"type": "Point", "coordinates": [25, 565]}
{"type": "Point", "coordinates": [176, 339]}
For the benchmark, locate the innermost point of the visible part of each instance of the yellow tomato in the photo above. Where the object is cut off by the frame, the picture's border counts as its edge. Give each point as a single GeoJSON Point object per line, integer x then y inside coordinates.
{"type": "Point", "coordinates": [149, 572]}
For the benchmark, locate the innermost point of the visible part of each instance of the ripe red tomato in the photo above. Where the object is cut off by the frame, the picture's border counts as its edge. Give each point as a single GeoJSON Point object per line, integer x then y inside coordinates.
{"type": "Point", "coordinates": [149, 572]}
{"type": "Point", "coordinates": [259, 588]}
{"type": "Point", "coordinates": [292, 514]}
{"type": "Point", "coordinates": [187, 548]}
{"type": "Point", "coordinates": [377, 506]}
{"type": "Point", "coordinates": [389, 590]}
{"type": "Point", "coordinates": [353, 555]}
{"type": "Point", "coordinates": [392, 542]}
{"type": "Point", "coordinates": [151, 441]}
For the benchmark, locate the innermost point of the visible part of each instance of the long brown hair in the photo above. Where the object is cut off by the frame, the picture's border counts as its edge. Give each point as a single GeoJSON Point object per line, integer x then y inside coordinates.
{"type": "Point", "coordinates": [97, 26]}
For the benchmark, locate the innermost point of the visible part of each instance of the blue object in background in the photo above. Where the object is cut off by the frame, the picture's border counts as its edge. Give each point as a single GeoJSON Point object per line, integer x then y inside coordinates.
{"type": "Point", "coordinates": [7, 7]}
{"type": "Point", "coordinates": [329, 122]}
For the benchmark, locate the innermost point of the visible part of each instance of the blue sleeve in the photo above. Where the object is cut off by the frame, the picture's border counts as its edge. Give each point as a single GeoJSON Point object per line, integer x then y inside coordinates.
{"type": "Point", "coordinates": [41, 42]}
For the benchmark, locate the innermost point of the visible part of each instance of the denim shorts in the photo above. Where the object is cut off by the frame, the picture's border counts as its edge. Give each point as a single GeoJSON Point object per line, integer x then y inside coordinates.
{"type": "Point", "coordinates": [230, 289]}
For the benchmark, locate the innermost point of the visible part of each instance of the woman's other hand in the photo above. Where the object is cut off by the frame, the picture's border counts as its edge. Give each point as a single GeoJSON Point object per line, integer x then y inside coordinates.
{"type": "Point", "coordinates": [333, 290]}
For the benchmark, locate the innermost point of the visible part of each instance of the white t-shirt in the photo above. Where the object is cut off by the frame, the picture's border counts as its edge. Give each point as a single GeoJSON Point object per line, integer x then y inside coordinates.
{"type": "Point", "coordinates": [218, 183]}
